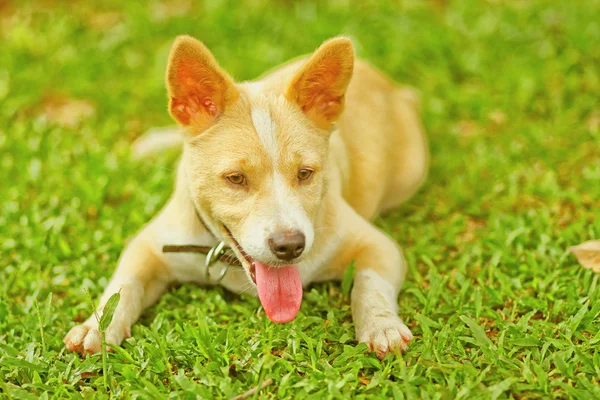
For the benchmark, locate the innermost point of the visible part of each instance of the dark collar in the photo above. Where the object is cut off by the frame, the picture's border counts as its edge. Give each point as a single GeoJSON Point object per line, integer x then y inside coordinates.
{"type": "Point", "coordinates": [220, 252]}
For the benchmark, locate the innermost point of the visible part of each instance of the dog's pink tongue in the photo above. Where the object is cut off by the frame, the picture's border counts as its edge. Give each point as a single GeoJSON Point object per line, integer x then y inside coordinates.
{"type": "Point", "coordinates": [279, 291]}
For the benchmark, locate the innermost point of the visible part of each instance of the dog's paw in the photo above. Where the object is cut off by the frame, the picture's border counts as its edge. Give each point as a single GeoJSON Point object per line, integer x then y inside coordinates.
{"type": "Point", "coordinates": [385, 335]}
{"type": "Point", "coordinates": [84, 339]}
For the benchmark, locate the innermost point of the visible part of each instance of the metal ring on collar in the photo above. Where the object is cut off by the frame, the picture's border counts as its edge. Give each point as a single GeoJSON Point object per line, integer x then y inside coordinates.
{"type": "Point", "coordinates": [213, 256]}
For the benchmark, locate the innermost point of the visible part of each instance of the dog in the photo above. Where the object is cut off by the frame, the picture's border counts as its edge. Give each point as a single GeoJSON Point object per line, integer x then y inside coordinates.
{"type": "Point", "coordinates": [276, 186]}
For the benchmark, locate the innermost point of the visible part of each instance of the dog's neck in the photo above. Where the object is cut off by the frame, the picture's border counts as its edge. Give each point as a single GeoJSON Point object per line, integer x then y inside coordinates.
{"type": "Point", "coordinates": [220, 252]}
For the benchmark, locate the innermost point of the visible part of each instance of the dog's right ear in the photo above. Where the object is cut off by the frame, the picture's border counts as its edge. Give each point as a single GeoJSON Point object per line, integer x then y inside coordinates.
{"type": "Point", "coordinates": [319, 87]}
{"type": "Point", "coordinates": [199, 90]}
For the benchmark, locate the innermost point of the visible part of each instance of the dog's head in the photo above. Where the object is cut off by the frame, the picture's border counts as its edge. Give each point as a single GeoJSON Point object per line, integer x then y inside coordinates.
{"type": "Point", "coordinates": [256, 153]}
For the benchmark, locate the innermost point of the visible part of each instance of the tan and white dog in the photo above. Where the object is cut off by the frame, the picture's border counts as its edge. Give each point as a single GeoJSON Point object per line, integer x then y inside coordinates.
{"type": "Point", "coordinates": [288, 181]}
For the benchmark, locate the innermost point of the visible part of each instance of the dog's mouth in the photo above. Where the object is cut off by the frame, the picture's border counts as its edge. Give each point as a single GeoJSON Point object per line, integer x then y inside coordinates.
{"type": "Point", "coordinates": [245, 257]}
{"type": "Point", "coordinates": [279, 287]}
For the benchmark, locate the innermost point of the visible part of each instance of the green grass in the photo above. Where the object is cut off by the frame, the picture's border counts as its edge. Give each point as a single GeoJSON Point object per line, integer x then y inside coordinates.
{"type": "Point", "coordinates": [498, 307]}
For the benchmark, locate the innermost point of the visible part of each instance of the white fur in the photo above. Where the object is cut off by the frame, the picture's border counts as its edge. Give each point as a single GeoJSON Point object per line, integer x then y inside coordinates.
{"type": "Point", "coordinates": [375, 313]}
{"type": "Point", "coordinates": [313, 268]}
{"type": "Point", "coordinates": [292, 215]}
{"type": "Point", "coordinates": [254, 239]}
{"type": "Point", "coordinates": [254, 88]}
{"type": "Point", "coordinates": [266, 129]}
{"type": "Point", "coordinates": [127, 312]}
{"type": "Point", "coordinates": [371, 278]}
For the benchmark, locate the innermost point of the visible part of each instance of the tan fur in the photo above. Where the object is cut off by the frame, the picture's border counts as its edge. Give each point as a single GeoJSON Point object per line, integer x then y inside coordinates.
{"type": "Point", "coordinates": [319, 87]}
{"type": "Point", "coordinates": [198, 88]}
{"type": "Point", "coordinates": [361, 137]}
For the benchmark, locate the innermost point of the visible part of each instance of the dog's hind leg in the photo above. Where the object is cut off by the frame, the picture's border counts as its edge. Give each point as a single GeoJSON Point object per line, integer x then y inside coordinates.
{"type": "Point", "coordinates": [141, 278]}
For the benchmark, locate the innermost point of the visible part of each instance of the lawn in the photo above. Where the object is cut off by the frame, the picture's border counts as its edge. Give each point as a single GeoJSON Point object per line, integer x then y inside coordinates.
{"type": "Point", "coordinates": [498, 306]}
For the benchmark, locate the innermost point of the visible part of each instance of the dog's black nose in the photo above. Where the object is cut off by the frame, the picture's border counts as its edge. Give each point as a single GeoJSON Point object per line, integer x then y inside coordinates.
{"type": "Point", "coordinates": [287, 245]}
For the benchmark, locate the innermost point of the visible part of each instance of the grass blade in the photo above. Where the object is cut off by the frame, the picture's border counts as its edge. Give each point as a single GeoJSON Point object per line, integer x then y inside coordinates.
{"type": "Point", "coordinates": [348, 279]}
{"type": "Point", "coordinates": [481, 338]}
{"type": "Point", "coordinates": [109, 311]}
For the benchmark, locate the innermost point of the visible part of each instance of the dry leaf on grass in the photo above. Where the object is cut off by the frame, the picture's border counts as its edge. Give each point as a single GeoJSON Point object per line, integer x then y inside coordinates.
{"type": "Point", "coordinates": [593, 122]}
{"type": "Point", "coordinates": [102, 21]}
{"type": "Point", "coordinates": [588, 254]}
{"type": "Point", "coordinates": [67, 112]}
{"type": "Point", "coordinates": [166, 9]}
{"type": "Point", "coordinates": [498, 117]}
{"type": "Point", "coordinates": [466, 128]}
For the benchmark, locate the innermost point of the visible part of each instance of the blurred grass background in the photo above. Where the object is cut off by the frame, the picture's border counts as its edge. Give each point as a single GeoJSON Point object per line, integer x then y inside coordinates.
{"type": "Point", "coordinates": [500, 310]}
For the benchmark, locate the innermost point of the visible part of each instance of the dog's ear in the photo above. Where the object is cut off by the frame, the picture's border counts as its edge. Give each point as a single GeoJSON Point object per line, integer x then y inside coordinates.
{"type": "Point", "coordinates": [199, 90]}
{"type": "Point", "coordinates": [320, 85]}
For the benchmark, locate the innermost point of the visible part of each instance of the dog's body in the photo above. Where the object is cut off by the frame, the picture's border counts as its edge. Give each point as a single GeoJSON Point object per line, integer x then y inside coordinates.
{"type": "Point", "coordinates": [277, 171]}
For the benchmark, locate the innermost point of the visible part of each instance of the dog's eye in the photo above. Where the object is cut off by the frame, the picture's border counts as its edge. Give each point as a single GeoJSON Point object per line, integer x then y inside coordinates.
{"type": "Point", "coordinates": [236, 179]}
{"type": "Point", "coordinates": [304, 174]}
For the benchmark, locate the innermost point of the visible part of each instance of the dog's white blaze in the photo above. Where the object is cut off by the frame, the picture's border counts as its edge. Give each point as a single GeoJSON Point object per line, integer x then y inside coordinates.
{"type": "Point", "coordinates": [291, 213]}
{"type": "Point", "coordinates": [265, 127]}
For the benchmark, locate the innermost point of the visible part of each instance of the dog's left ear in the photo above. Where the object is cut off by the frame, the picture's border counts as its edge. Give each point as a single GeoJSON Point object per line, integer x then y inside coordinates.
{"type": "Point", "coordinates": [199, 90]}
{"type": "Point", "coordinates": [320, 85]}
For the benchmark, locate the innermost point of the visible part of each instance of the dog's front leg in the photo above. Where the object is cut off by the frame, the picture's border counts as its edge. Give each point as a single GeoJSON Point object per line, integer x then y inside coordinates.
{"type": "Point", "coordinates": [141, 278]}
{"type": "Point", "coordinates": [375, 307]}
{"type": "Point", "coordinates": [380, 271]}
